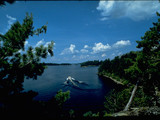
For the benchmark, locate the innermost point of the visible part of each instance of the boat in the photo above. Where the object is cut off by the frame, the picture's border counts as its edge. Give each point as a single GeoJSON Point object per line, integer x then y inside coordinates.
{"type": "Point", "coordinates": [69, 81]}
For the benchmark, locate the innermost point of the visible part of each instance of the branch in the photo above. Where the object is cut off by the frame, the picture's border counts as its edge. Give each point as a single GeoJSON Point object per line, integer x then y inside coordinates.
{"type": "Point", "coordinates": [25, 64]}
{"type": "Point", "coordinates": [131, 98]}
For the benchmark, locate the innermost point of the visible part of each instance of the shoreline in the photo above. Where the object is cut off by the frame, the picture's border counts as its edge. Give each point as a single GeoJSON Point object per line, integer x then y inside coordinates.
{"type": "Point", "coordinates": [114, 80]}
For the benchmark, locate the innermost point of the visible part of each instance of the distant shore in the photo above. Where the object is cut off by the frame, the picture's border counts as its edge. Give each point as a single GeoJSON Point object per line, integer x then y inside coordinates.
{"type": "Point", "coordinates": [89, 65]}
{"type": "Point", "coordinates": [55, 64]}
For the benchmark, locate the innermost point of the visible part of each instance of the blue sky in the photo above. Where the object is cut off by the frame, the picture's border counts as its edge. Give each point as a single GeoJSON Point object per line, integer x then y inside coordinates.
{"type": "Point", "coordinates": [84, 30]}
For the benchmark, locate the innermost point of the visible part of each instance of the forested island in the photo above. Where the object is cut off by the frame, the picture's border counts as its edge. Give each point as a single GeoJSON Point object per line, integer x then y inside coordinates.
{"type": "Point", "coordinates": [91, 63]}
{"type": "Point", "coordinates": [55, 64]}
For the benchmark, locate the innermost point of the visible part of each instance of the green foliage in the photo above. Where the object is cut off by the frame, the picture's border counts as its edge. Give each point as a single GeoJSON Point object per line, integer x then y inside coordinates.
{"type": "Point", "coordinates": [3, 2]}
{"type": "Point", "coordinates": [71, 113]}
{"type": "Point", "coordinates": [62, 97]}
{"type": "Point", "coordinates": [116, 101]}
{"type": "Point", "coordinates": [116, 68]}
{"type": "Point", "coordinates": [146, 67]}
{"type": "Point", "coordinates": [141, 99]}
{"type": "Point", "coordinates": [91, 63]}
{"type": "Point", "coordinates": [107, 114]}
{"type": "Point", "coordinates": [15, 65]}
{"type": "Point", "coordinates": [136, 67]}
{"type": "Point", "coordinates": [54, 107]}
{"type": "Point", "coordinates": [90, 114]}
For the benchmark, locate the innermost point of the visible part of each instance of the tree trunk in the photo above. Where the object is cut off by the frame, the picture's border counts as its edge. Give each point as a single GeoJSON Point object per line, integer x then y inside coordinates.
{"type": "Point", "coordinates": [131, 98]}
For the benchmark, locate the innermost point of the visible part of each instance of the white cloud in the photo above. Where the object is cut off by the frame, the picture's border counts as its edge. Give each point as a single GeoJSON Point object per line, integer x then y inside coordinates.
{"type": "Point", "coordinates": [46, 44]}
{"type": "Point", "coordinates": [26, 43]}
{"type": "Point", "coordinates": [20, 51]}
{"type": "Point", "coordinates": [104, 18]}
{"type": "Point", "coordinates": [86, 46]}
{"type": "Point", "coordinates": [99, 47]}
{"type": "Point", "coordinates": [135, 10]}
{"type": "Point", "coordinates": [80, 57]}
{"type": "Point", "coordinates": [74, 56]}
{"type": "Point", "coordinates": [121, 43]}
{"type": "Point", "coordinates": [83, 56]}
{"type": "Point", "coordinates": [84, 51]}
{"type": "Point", "coordinates": [11, 20]}
{"type": "Point", "coordinates": [70, 50]}
{"type": "Point", "coordinates": [104, 55]}
{"type": "Point", "coordinates": [41, 42]}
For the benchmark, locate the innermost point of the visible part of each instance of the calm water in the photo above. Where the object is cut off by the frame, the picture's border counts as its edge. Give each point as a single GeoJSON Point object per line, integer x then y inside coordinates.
{"type": "Point", "coordinates": [90, 97]}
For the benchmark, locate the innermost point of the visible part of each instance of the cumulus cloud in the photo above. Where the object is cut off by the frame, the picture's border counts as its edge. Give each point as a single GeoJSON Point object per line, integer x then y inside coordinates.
{"type": "Point", "coordinates": [99, 47]}
{"type": "Point", "coordinates": [86, 46]}
{"type": "Point", "coordinates": [104, 55]}
{"type": "Point", "coordinates": [121, 43]}
{"type": "Point", "coordinates": [41, 42]}
{"type": "Point", "coordinates": [135, 10]}
{"type": "Point", "coordinates": [11, 20]}
{"type": "Point", "coordinates": [84, 51]}
{"type": "Point", "coordinates": [70, 50]}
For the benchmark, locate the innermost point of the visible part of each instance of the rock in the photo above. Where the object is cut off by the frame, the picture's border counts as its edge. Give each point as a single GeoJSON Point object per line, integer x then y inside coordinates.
{"type": "Point", "coordinates": [139, 111]}
{"type": "Point", "coordinates": [153, 111]}
{"type": "Point", "coordinates": [121, 113]}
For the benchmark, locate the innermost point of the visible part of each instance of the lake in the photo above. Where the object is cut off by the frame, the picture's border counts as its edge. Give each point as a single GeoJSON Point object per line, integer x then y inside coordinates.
{"type": "Point", "coordinates": [89, 97]}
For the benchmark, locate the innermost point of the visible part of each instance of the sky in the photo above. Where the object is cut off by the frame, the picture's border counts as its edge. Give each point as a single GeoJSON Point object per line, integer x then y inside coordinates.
{"type": "Point", "coordinates": [84, 30]}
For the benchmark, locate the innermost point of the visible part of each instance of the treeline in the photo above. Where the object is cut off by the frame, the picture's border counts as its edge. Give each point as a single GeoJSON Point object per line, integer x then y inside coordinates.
{"type": "Point", "coordinates": [91, 63]}
{"type": "Point", "coordinates": [116, 68]}
{"type": "Point", "coordinates": [139, 71]}
{"type": "Point", "coordinates": [54, 64]}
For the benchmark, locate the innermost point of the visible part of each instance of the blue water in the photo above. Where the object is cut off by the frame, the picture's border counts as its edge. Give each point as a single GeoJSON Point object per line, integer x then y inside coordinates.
{"type": "Point", "coordinates": [89, 97]}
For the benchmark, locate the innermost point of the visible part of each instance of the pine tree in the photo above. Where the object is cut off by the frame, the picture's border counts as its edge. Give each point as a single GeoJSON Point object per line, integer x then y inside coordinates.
{"type": "Point", "coordinates": [15, 66]}
{"type": "Point", "coordinates": [3, 2]}
{"type": "Point", "coordinates": [146, 69]}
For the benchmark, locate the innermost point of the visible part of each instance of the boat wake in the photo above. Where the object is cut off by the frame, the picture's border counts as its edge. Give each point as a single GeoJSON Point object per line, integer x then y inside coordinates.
{"type": "Point", "coordinates": [80, 85]}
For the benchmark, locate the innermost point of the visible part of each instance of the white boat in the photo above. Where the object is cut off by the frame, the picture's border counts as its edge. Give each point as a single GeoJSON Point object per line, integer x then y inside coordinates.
{"type": "Point", "coordinates": [70, 80]}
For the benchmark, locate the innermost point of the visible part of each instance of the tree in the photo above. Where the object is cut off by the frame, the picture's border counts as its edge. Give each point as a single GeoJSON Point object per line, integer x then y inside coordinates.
{"type": "Point", "coordinates": [16, 65]}
{"type": "Point", "coordinates": [145, 70]}
{"type": "Point", "coordinates": [3, 2]}
{"type": "Point", "coordinates": [116, 68]}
